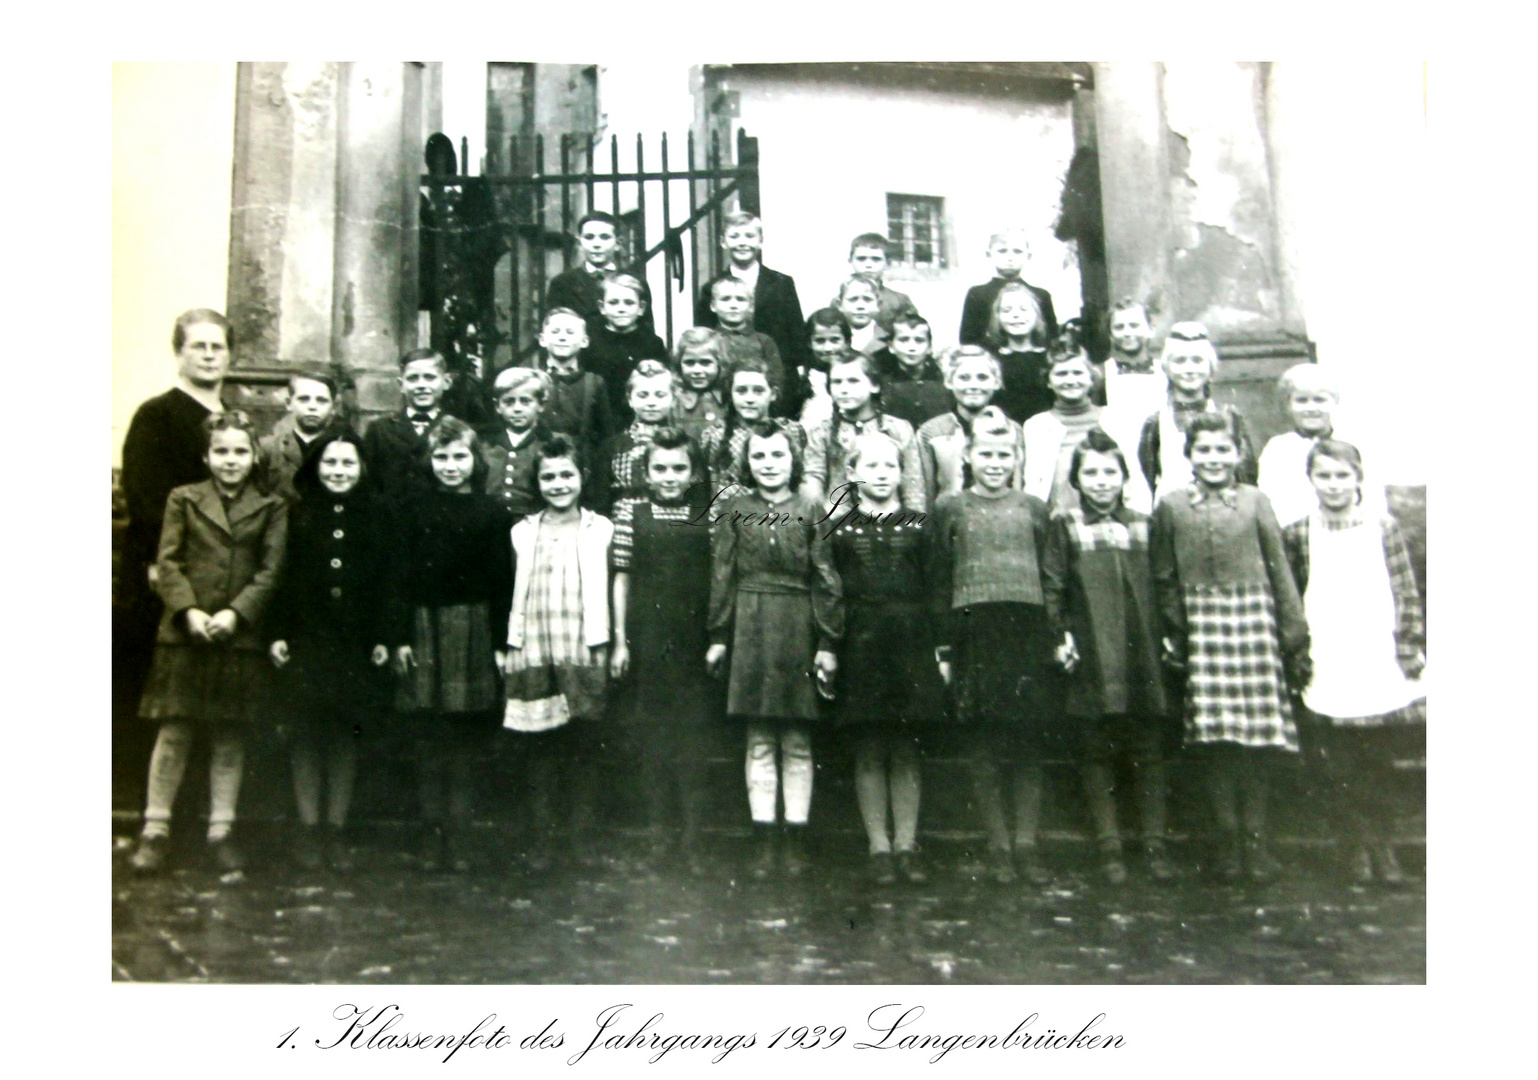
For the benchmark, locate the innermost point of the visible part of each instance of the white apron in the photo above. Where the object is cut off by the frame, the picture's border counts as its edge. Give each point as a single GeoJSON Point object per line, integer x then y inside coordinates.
{"type": "Point", "coordinates": [1174, 467]}
{"type": "Point", "coordinates": [1350, 607]}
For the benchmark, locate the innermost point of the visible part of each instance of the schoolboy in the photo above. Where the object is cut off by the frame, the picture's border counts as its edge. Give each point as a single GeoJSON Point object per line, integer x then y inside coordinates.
{"type": "Point", "coordinates": [913, 387]}
{"type": "Point", "coordinates": [617, 341]}
{"type": "Point", "coordinates": [312, 400]}
{"type": "Point", "coordinates": [776, 307]}
{"type": "Point", "coordinates": [581, 288]}
{"type": "Point", "coordinates": [732, 303]}
{"type": "Point", "coordinates": [869, 256]}
{"type": "Point", "coordinates": [520, 395]}
{"type": "Point", "coordinates": [396, 446]}
{"type": "Point", "coordinates": [1008, 251]}
{"type": "Point", "coordinates": [578, 403]}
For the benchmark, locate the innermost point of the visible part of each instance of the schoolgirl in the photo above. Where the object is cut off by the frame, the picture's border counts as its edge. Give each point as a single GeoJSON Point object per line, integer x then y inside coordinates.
{"type": "Point", "coordinates": [1368, 644]}
{"type": "Point", "coordinates": [888, 687]}
{"type": "Point", "coordinates": [1310, 398]}
{"type": "Point", "coordinates": [1017, 336]}
{"type": "Point", "coordinates": [1097, 583]}
{"type": "Point", "coordinates": [558, 643]}
{"type": "Point", "coordinates": [828, 335]}
{"type": "Point", "coordinates": [1190, 362]}
{"type": "Point", "coordinates": [974, 377]}
{"type": "Point", "coordinates": [619, 475]}
{"type": "Point", "coordinates": [1232, 617]}
{"type": "Point", "coordinates": [854, 381]}
{"type": "Point", "coordinates": [775, 619]}
{"type": "Point", "coordinates": [995, 646]}
{"type": "Point", "coordinates": [451, 573]}
{"type": "Point", "coordinates": [1051, 437]}
{"type": "Point", "coordinates": [661, 601]}
{"type": "Point", "coordinates": [328, 637]}
{"type": "Point", "coordinates": [221, 553]}
{"type": "Point", "coordinates": [699, 365]}
{"type": "Point", "coordinates": [753, 393]}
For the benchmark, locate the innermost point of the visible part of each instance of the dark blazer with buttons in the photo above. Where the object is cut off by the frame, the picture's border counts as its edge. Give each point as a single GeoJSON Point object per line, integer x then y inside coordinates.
{"type": "Point", "coordinates": [398, 457]}
{"type": "Point", "coordinates": [212, 560]}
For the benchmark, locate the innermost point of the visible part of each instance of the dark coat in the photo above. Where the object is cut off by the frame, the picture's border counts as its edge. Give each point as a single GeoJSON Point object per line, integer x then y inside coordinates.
{"type": "Point", "coordinates": [397, 455]}
{"type": "Point", "coordinates": [162, 451]}
{"type": "Point", "coordinates": [612, 357]}
{"type": "Point", "coordinates": [510, 473]}
{"type": "Point", "coordinates": [212, 560]}
{"type": "Point", "coordinates": [583, 292]}
{"type": "Point", "coordinates": [977, 309]}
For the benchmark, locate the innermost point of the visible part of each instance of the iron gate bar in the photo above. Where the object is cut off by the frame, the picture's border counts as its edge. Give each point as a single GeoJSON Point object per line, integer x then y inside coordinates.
{"type": "Point", "coordinates": [694, 256]}
{"type": "Point", "coordinates": [667, 214]}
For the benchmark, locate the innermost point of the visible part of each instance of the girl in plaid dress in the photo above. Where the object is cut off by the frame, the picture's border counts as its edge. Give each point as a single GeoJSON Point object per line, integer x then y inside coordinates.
{"type": "Point", "coordinates": [449, 582]}
{"type": "Point", "coordinates": [1099, 591]}
{"type": "Point", "coordinates": [558, 641]}
{"type": "Point", "coordinates": [1233, 619]}
{"type": "Point", "coordinates": [1368, 644]}
{"type": "Point", "coordinates": [753, 390]}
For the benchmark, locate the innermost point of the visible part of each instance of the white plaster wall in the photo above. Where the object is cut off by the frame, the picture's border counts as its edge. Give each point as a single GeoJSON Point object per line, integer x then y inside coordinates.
{"type": "Point", "coordinates": [831, 153]}
{"type": "Point", "coordinates": [1357, 145]}
{"type": "Point", "coordinates": [173, 145]}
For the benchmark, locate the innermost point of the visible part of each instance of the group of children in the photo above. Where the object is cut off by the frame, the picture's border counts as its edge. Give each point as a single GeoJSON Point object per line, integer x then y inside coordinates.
{"type": "Point", "coordinates": [797, 524]}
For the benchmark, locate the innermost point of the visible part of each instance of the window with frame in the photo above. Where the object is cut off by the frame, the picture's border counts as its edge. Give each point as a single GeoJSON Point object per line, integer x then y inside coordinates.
{"type": "Point", "coordinates": [915, 226]}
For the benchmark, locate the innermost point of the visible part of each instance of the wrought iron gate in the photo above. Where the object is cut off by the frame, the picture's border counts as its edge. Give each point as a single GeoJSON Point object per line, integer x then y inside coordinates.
{"type": "Point", "coordinates": [491, 242]}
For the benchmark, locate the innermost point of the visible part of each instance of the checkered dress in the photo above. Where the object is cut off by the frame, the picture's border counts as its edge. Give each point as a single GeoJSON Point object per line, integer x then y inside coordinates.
{"type": "Point", "coordinates": [554, 678]}
{"type": "Point", "coordinates": [1236, 690]}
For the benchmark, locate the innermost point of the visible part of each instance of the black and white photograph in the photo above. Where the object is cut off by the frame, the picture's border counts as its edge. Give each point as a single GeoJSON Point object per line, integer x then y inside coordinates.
{"type": "Point", "coordinates": [839, 523]}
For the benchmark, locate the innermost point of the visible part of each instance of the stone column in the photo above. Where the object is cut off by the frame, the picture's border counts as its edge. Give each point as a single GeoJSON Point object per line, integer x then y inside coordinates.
{"type": "Point", "coordinates": [1134, 184]}
{"type": "Point", "coordinates": [1285, 133]}
{"type": "Point", "coordinates": [375, 270]}
{"type": "Point", "coordinates": [282, 224]}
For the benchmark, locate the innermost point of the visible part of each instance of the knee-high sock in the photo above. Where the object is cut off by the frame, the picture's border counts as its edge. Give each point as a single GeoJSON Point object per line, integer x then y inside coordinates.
{"type": "Point", "coordinates": [904, 785]}
{"type": "Point", "coordinates": [1222, 782]}
{"type": "Point", "coordinates": [1100, 795]}
{"type": "Point", "coordinates": [168, 764]}
{"type": "Point", "coordinates": [1029, 780]}
{"type": "Point", "coordinates": [304, 763]}
{"type": "Point", "coordinates": [796, 772]}
{"type": "Point", "coordinates": [870, 786]}
{"type": "Point", "coordinates": [984, 767]}
{"type": "Point", "coordinates": [763, 772]}
{"type": "Point", "coordinates": [226, 766]}
{"type": "Point", "coordinates": [342, 770]}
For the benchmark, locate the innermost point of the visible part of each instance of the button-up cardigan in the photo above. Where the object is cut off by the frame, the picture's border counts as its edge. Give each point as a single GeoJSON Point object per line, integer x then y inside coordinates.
{"type": "Point", "coordinates": [594, 534]}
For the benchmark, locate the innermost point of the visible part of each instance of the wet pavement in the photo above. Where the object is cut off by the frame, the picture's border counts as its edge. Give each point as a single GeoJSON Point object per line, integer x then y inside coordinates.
{"type": "Point", "coordinates": [618, 916]}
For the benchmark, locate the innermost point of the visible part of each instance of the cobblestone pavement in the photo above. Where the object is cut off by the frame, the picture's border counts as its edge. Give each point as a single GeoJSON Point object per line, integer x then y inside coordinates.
{"type": "Point", "coordinates": [620, 917]}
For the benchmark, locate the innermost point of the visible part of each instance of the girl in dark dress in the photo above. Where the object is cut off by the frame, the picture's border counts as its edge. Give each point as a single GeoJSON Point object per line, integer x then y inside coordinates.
{"type": "Point", "coordinates": [1098, 581]}
{"type": "Point", "coordinates": [327, 632]}
{"type": "Point", "coordinates": [661, 568]}
{"type": "Point", "coordinates": [1017, 336]}
{"type": "Point", "coordinates": [775, 619]}
{"type": "Point", "coordinates": [221, 554]}
{"type": "Point", "coordinates": [995, 643]}
{"type": "Point", "coordinates": [888, 685]}
{"type": "Point", "coordinates": [450, 586]}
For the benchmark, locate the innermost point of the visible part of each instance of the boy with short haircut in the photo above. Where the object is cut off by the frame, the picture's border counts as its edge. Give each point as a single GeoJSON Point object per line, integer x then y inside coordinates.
{"type": "Point", "coordinates": [618, 471]}
{"type": "Point", "coordinates": [732, 303]}
{"type": "Point", "coordinates": [396, 446]}
{"type": "Point", "coordinates": [869, 254]}
{"type": "Point", "coordinates": [520, 395]}
{"type": "Point", "coordinates": [581, 288]}
{"type": "Point", "coordinates": [311, 414]}
{"type": "Point", "coordinates": [1008, 251]}
{"type": "Point", "coordinates": [578, 403]}
{"type": "Point", "coordinates": [617, 341]}
{"type": "Point", "coordinates": [776, 307]}
{"type": "Point", "coordinates": [913, 386]}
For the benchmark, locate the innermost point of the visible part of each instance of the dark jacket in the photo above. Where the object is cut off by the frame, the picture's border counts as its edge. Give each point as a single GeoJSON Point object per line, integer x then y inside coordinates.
{"type": "Point", "coordinates": [776, 312]}
{"type": "Point", "coordinates": [163, 450]}
{"type": "Point", "coordinates": [212, 559]}
{"type": "Point", "coordinates": [612, 357]}
{"type": "Point", "coordinates": [977, 309]}
{"type": "Point", "coordinates": [583, 292]}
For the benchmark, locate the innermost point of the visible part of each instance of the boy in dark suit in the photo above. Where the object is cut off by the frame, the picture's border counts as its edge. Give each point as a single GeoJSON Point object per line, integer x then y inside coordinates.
{"type": "Point", "coordinates": [1008, 251]}
{"type": "Point", "coordinates": [776, 307]}
{"type": "Point", "coordinates": [581, 288]}
{"type": "Point", "coordinates": [396, 446]}
{"type": "Point", "coordinates": [617, 341]}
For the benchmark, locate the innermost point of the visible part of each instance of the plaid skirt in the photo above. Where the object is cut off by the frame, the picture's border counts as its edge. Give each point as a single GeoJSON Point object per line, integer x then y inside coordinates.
{"type": "Point", "coordinates": [555, 676]}
{"type": "Point", "coordinates": [210, 683]}
{"type": "Point", "coordinates": [456, 664]}
{"type": "Point", "coordinates": [1236, 691]}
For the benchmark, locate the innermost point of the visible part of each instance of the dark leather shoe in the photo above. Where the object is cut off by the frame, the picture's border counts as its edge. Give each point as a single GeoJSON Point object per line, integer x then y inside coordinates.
{"type": "Point", "coordinates": [227, 857]}
{"type": "Point", "coordinates": [1258, 861]}
{"type": "Point", "coordinates": [307, 848]}
{"type": "Point", "coordinates": [910, 869]}
{"type": "Point", "coordinates": [793, 857]}
{"type": "Point", "coordinates": [1361, 867]}
{"type": "Point", "coordinates": [1002, 868]}
{"type": "Point", "coordinates": [1157, 862]}
{"type": "Point", "coordinates": [1114, 871]}
{"type": "Point", "coordinates": [150, 856]}
{"type": "Point", "coordinates": [1389, 870]}
{"type": "Point", "coordinates": [1029, 865]}
{"type": "Point", "coordinates": [882, 872]}
{"type": "Point", "coordinates": [765, 855]}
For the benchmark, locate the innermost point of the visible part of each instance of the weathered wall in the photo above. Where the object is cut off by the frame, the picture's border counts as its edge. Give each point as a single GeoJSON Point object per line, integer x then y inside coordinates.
{"type": "Point", "coordinates": [172, 147]}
